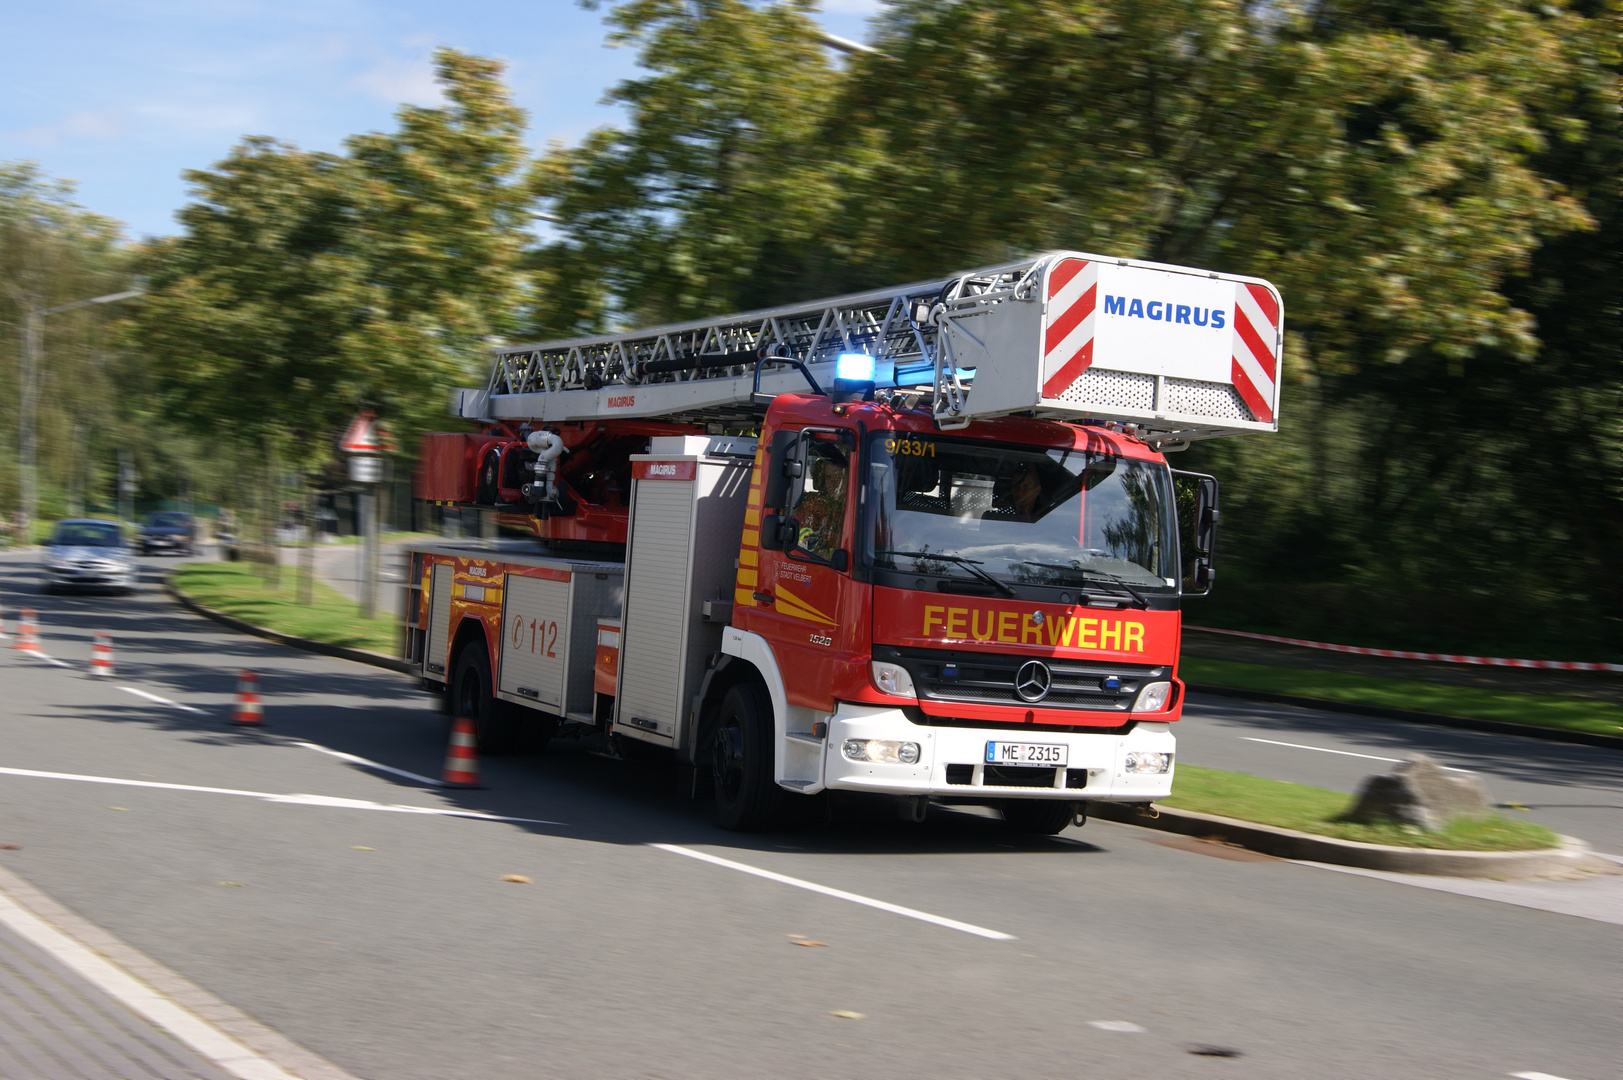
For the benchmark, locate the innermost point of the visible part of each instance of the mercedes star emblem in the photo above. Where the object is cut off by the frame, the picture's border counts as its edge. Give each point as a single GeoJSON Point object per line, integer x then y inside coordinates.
{"type": "Point", "coordinates": [1032, 681]}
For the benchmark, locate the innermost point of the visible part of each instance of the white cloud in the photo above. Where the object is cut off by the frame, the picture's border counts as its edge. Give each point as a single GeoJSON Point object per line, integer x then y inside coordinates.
{"type": "Point", "coordinates": [195, 117]}
{"type": "Point", "coordinates": [396, 82]}
{"type": "Point", "coordinates": [84, 125]}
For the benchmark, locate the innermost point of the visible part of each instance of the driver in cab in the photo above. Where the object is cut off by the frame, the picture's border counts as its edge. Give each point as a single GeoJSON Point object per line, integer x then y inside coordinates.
{"type": "Point", "coordinates": [1019, 500]}
{"type": "Point", "coordinates": [821, 512]}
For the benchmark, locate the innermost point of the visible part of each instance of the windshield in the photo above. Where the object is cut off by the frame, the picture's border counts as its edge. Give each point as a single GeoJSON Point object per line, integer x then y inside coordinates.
{"type": "Point", "coordinates": [87, 534]}
{"type": "Point", "coordinates": [1022, 514]}
{"type": "Point", "coordinates": [165, 520]}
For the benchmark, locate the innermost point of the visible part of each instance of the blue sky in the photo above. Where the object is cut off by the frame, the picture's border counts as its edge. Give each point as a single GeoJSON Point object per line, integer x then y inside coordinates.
{"type": "Point", "coordinates": [121, 96]}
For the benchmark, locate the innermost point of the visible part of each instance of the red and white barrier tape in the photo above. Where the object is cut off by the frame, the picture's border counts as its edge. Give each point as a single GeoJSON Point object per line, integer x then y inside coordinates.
{"type": "Point", "coordinates": [1486, 661]}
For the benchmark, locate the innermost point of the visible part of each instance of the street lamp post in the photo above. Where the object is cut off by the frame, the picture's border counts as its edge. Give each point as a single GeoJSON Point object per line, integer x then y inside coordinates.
{"type": "Point", "coordinates": [33, 354]}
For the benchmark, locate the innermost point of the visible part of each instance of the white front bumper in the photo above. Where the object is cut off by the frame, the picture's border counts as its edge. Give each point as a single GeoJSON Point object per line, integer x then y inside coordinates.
{"type": "Point", "coordinates": [1101, 755]}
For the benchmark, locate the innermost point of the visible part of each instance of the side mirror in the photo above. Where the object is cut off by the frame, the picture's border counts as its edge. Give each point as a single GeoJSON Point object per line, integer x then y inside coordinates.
{"type": "Point", "coordinates": [840, 560]}
{"type": "Point", "coordinates": [782, 457]}
{"type": "Point", "coordinates": [1197, 529]}
{"type": "Point", "coordinates": [778, 531]}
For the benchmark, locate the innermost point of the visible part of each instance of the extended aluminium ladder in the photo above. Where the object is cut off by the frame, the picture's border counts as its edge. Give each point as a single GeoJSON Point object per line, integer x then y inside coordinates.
{"type": "Point", "coordinates": [1179, 353]}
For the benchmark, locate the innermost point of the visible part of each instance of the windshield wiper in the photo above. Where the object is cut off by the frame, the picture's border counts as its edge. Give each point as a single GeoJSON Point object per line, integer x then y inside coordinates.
{"type": "Point", "coordinates": [972, 565]}
{"type": "Point", "coordinates": [1112, 578]}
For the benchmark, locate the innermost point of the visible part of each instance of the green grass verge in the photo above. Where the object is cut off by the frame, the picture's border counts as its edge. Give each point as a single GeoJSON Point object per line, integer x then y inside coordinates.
{"type": "Point", "coordinates": [1315, 810]}
{"type": "Point", "coordinates": [1546, 710]}
{"type": "Point", "coordinates": [236, 589]}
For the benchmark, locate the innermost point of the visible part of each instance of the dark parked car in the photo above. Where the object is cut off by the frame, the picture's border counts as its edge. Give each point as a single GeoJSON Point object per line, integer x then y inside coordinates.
{"type": "Point", "coordinates": [87, 553]}
{"type": "Point", "coordinates": [169, 531]}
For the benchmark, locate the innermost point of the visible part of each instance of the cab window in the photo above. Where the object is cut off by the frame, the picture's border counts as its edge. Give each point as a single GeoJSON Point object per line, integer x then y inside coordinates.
{"type": "Point", "coordinates": [818, 500]}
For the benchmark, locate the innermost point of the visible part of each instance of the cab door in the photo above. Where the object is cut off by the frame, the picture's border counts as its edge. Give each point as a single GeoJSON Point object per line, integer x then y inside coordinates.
{"type": "Point", "coordinates": [805, 602]}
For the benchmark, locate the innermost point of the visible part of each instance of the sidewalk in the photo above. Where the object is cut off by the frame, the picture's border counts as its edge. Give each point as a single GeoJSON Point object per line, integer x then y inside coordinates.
{"type": "Point", "coordinates": [54, 1025]}
{"type": "Point", "coordinates": [339, 565]}
{"type": "Point", "coordinates": [77, 1003]}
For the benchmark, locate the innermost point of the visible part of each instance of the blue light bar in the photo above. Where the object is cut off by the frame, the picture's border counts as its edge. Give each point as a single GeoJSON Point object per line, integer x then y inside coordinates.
{"type": "Point", "coordinates": [855, 366]}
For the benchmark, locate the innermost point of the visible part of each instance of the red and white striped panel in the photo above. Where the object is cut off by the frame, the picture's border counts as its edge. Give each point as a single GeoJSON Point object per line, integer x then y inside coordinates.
{"type": "Point", "coordinates": [1068, 323]}
{"type": "Point", "coordinates": [1256, 348]}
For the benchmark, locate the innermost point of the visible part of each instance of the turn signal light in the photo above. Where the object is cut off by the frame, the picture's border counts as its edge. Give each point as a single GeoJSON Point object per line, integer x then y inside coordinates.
{"type": "Point", "coordinates": [893, 679]}
{"type": "Point", "coordinates": [1153, 698]}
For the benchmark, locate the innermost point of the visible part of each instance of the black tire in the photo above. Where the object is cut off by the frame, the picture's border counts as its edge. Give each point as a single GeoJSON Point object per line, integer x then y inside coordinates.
{"type": "Point", "coordinates": [747, 799]}
{"type": "Point", "coordinates": [1038, 817]}
{"type": "Point", "coordinates": [500, 728]}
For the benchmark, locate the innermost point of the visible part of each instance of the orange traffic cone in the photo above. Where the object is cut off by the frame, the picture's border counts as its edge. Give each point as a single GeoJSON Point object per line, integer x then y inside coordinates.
{"type": "Point", "coordinates": [248, 711]}
{"type": "Point", "coordinates": [27, 632]}
{"type": "Point", "coordinates": [101, 654]}
{"type": "Point", "coordinates": [462, 756]}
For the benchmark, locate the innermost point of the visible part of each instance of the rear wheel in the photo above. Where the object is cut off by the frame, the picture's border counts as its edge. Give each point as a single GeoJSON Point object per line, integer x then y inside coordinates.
{"type": "Point", "coordinates": [500, 727]}
{"type": "Point", "coordinates": [747, 799]}
{"type": "Point", "coordinates": [1040, 817]}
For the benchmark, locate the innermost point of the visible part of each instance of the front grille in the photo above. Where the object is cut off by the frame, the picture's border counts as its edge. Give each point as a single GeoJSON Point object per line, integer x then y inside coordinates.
{"type": "Point", "coordinates": [1017, 776]}
{"type": "Point", "coordinates": [988, 678]}
{"type": "Point", "coordinates": [1014, 776]}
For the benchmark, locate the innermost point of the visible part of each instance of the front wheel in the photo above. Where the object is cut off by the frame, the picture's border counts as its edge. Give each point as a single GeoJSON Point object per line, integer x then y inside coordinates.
{"type": "Point", "coordinates": [747, 798]}
{"type": "Point", "coordinates": [1039, 817]}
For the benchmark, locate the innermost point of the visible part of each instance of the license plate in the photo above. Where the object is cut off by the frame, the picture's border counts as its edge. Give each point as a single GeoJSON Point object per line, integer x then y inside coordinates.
{"type": "Point", "coordinates": [1047, 755]}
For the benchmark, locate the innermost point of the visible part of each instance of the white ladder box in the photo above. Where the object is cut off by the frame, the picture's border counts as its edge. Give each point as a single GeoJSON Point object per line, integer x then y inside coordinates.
{"type": "Point", "coordinates": [1184, 353]}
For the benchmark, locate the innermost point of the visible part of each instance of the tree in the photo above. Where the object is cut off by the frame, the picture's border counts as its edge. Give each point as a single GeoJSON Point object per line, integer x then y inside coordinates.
{"type": "Point", "coordinates": [306, 285]}
{"type": "Point", "coordinates": [53, 252]}
{"type": "Point", "coordinates": [712, 197]}
{"type": "Point", "coordinates": [1409, 174]}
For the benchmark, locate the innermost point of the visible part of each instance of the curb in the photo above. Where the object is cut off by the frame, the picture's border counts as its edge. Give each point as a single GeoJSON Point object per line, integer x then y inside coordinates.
{"type": "Point", "coordinates": [360, 656]}
{"type": "Point", "coordinates": [1572, 855]}
{"type": "Point", "coordinates": [1493, 727]}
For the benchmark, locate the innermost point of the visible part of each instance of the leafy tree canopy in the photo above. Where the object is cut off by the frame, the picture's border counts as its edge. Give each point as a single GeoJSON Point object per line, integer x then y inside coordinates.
{"type": "Point", "coordinates": [307, 285]}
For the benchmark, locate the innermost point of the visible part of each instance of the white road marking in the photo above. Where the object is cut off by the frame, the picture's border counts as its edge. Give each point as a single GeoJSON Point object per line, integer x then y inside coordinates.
{"type": "Point", "coordinates": [269, 796]}
{"type": "Point", "coordinates": [1343, 753]}
{"type": "Point", "coordinates": [1535, 1076]}
{"type": "Point", "coordinates": [160, 700]}
{"type": "Point", "coordinates": [369, 764]}
{"type": "Point", "coordinates": [1124, 1026]}
{"type": "Point", "coordinates": [839, 894]}
{"type": "Point", "coordinates": [42, 655]}
{"type": "Point", "coordinates": [184, 1025]}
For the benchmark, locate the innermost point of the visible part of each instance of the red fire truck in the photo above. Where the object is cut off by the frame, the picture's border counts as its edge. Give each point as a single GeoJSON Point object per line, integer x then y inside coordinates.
{"type": "Point", "coordinates": [919, 542]}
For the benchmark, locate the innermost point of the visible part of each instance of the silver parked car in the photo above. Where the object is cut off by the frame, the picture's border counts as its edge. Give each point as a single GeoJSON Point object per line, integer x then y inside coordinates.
{"type": "Point", "coordinates": [89, 553]}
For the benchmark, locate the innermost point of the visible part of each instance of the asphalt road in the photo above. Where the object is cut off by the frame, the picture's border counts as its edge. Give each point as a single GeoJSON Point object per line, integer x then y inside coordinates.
{"type": "Point", "coordinates": [349, 909]}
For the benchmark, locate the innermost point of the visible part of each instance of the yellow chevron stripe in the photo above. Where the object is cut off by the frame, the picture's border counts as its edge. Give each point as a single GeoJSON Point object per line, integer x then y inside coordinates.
{"type": "Point", "coordinates": [790, 604]}
{"type": "Point", "coordinates": [743, 597]}
{"type": "Point", "coordinates": [746, 577]}
{"type": "Point", "coordinates": [752, 517]}
{"type": "Point", "coordinates": [749, 557]}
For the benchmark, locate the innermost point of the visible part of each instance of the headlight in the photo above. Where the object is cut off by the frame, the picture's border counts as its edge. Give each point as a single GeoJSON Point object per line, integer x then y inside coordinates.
{"type": "Point", "coordinates": [1153, 698]}
{"type": "Point", "coordinates": [892, 679]}
{"type": "Point", "coordinates": [885, 750]}
{"type": "Point", "coordinates": [1145, 761]}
